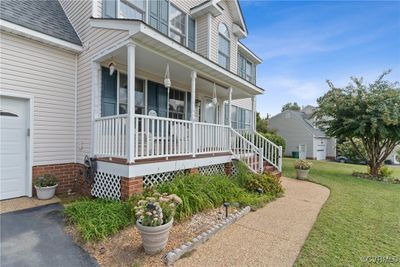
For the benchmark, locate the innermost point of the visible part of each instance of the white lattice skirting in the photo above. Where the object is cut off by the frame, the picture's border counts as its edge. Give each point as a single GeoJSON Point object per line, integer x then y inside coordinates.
{"type": "Point", "coordinates": [212, 169]}
{"type": "Point", "coordinates": [234, 170]}
{"type": "Point", "coordinates": [158, 178]}
{"type": "Point", "coordinates": [107, 186]}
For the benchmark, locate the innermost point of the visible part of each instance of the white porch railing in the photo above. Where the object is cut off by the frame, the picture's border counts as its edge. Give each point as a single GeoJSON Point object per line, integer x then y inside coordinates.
{"type": "Point", "coordinates": [272, 153]}
{"type": "Point", "coordinates": [245, 151]}
{"type": "Point", "coordinates": [158, 137]}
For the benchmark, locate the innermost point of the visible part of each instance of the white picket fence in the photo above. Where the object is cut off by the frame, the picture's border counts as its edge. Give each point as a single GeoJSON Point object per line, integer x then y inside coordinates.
{"type": "Point", "coordinates": [157, 137]}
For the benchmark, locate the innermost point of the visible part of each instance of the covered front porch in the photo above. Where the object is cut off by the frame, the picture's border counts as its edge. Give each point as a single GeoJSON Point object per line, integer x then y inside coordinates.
{"type": "Point", "coordinates": [188, 118]}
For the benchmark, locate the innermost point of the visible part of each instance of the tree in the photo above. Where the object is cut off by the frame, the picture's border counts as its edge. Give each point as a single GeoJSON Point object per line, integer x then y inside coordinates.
{"type": "Point", "coordinates": [291, 106]}
{"type": "Point", "coordinates": [368, 112]}
{"type": "Point", "coordinates": [261, 123]}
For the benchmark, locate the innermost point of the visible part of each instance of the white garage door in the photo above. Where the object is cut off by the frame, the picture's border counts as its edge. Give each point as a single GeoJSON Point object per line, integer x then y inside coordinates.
{"type": "Point", "coordinates": [13, 147]}
{"type": "Point", "coordinates": [321, 152]}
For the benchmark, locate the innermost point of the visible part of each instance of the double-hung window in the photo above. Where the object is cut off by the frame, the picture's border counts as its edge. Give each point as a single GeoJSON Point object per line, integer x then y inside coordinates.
{"type": "Point", "coordinates": [177, 22]}
{"type": "Point", "coordinates": [224, 46]}
{"type": "Point", "coordinates": [132, 9]}
{"type": "Point", "coordinates": [246, 69]}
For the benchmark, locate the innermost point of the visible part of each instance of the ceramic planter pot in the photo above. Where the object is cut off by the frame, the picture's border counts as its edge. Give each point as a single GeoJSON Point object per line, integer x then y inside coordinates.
{"type": "Point", "coordinates": [302, 174]}
{"type": "Point", "coordinates": [46, 192]}
{"type": "Point", "coordinates": [154, 238]}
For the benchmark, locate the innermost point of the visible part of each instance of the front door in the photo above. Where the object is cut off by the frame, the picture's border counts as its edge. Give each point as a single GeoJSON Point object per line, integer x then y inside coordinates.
{"type": "Point", "coordinates": [210, 111]}
{"type": "Point", "coordinates": [321, 152]}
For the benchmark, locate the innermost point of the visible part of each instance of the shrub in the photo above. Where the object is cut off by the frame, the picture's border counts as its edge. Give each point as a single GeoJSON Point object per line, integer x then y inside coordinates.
{"type": "Point", "coordinates": [302, 164]}
{"type": "Point", "coordinates": [253, 181]}
{"type": "Point", "coordinates": [157, 209]}
{"type": "Point", "coordinates": [384, 171]}
{"type": "Point", "coordinates": [265, 182]}
{"type": "Point", "coordinates": [200, 192]}
{"type": "Point", "coordinates": [46, 180]}
{"type": "Point", "coordinates": [97, 219]}
{"type": "Point", "coordinates": [276, 139]}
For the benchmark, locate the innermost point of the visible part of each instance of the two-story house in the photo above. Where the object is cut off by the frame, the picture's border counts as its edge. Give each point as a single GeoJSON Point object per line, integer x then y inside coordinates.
{"type": "Point", "coordinates": [146, 88]}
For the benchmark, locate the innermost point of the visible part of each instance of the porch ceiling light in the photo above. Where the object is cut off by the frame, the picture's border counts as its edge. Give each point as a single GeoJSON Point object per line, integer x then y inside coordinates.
{"type": "Point", "coordinates": [167, 81]}
{"type": "Point", "coordinates": [215, 100]}
{"type": "Point", "coordinates": [111, 66]}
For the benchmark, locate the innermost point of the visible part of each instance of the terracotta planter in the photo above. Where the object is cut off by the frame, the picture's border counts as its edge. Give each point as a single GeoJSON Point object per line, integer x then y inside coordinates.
{"type": "Point", "coordinates": [302, 174]}
{"type": "Point", "coordinates": [45, 192]}
{"type": "Point", "coordinates": [154, 238]}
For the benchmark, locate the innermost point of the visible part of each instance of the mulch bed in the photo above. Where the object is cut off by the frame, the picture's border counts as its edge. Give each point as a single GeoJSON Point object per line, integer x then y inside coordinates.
{"type": "Point", "coordinates": [125, 248]}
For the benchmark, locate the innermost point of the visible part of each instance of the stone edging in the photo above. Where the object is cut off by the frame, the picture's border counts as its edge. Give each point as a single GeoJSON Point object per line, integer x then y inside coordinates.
{"type": "Point", "coordinates": [177, 253]}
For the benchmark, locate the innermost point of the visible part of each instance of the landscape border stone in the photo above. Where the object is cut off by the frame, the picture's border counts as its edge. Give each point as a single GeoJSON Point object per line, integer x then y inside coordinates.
{"type": "Point", "coordinates": [174, 255]}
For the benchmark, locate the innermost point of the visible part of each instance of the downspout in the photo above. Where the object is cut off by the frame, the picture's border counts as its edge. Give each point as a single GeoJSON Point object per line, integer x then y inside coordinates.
{"type": "Point", "coordinates": [76, 105]}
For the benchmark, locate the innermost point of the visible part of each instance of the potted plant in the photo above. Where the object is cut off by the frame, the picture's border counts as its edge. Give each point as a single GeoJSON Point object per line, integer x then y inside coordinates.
{"type": "Point", "coordinates": [154, 218]}
{"type": "Point", "coordinates": [302, 168]}
{"type": "Point", "coordinates": [46, 186]}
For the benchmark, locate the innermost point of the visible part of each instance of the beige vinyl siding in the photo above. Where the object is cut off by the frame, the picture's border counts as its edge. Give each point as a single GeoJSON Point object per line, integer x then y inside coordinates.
{"type": "Point", "coordinates": [48, 74]}
{"type": "Point", "coordinates": [225, 17]}
{"type": "Point", "coordinates": [94, 40]}
{"type": "Point", "coordinates": [242, 103]}
{"type": "Point", "coordinates": [202, 35]}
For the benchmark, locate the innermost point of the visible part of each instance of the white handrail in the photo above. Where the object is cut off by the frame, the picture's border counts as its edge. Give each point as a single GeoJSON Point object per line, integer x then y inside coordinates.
{"type": "Point", "coordinates": [247, 152]}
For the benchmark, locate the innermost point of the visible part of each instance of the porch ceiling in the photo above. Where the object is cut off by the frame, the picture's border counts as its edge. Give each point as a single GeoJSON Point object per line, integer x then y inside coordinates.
{"type": "Point", "coordinates": [154, 50]}
{"type": "Point", "coordinates": [154, 64]}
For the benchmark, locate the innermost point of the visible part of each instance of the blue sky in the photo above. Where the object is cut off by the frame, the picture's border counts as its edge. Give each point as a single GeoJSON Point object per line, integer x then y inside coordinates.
{"type": "Point", "coordinates": [303, 44]}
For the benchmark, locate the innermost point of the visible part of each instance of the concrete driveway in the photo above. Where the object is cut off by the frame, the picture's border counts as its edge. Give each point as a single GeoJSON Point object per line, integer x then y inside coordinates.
{"type": "Point", "coordinates": [35, 237]}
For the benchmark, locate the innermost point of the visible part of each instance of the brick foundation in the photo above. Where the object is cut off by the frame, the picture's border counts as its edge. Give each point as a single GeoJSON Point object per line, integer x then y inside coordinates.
{"type": "Point", "coordinates": [69, 176]}
{"type": "Point", "coordinates": [192, 171]}
{"type": "Point", "coordinates": [131, 186]}
{"type": "Point", "coordinates": [229, 168]}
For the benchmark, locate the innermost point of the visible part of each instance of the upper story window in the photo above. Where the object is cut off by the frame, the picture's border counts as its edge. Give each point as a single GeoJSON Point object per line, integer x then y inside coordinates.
{"type": "Point", "coordinates": [224, 46]}
{"type": "Point", "coordinates": [177, 22]}
{"type": "Point", "coordinates": [246, 69]}
{"type": "Point", "coordinates": [162, 15]}
{"type": "Point", "coordinates": [132, 9]}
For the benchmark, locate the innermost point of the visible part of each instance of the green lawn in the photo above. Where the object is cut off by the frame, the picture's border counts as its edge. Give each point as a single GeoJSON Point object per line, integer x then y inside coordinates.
{"type": "Point", "coordinates": [361, 217]}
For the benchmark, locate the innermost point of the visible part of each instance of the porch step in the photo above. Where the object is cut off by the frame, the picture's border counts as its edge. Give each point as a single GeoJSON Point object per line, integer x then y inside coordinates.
{"type": "Point", "coordinates": [269, 169]}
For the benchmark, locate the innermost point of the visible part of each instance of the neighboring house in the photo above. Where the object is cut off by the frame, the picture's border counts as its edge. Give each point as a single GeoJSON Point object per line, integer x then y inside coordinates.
{"type": "Point", "coordinates": [300, 134]}
{"type": "Point", "coordinates": [393, 156]}
{"type": "Point", "coordinates": [68, 70]}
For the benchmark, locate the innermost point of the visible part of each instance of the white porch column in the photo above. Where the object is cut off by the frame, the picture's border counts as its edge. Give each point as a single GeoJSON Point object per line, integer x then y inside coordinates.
{"type": "Point", "coordinates": [131, 103]}
{"type": "Point", "coordinates": [193, 76]}
{"type": "Point", "coordinates": [230, 107]}
{"type": "Point", "coordinates": [253, 112]}
{"type": "Point", "coordinates": [230, 116]}
{"type": "Point", "coordinates": [96, 110]}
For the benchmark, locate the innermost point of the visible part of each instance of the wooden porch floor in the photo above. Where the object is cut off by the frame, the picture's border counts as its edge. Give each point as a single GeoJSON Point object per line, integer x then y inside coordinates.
{"type": "Point", "coordinates": [156, 160]}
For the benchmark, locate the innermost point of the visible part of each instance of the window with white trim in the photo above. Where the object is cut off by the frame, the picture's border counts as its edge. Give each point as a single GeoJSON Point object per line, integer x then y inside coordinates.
{"type": "Point", "coordinates": [132, 9]}
{"type": "Point", "coordinates": [246, 69]}
{"type": "Point", "coordinates": [224, 46]}
{"type": "Point", "coordinates": [240, 117]}
{"type": "Point", "coordinates": [177, 24]}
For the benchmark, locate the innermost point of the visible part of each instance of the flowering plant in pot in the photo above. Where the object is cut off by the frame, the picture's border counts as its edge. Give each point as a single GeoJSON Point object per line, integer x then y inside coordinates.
{"type": "Point", "coordinates": [46, 186]}
{"type": "Point", "coordinates": [302, 168]}
{"type": "Point", "coordinates": [154, 218]}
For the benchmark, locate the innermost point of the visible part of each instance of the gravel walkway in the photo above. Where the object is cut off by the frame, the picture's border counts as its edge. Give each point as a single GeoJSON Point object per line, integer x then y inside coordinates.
{"type": "Point", "coordinates": [271, 236]}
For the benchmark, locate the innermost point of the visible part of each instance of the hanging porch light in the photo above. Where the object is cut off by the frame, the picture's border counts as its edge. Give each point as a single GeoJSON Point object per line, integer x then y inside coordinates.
{"type": "Point", "coordinates": [111, 66]}
{"type": "Point", "coordinates": [167, 80]}
{"type": "Point", "coordinates": [214, 99]}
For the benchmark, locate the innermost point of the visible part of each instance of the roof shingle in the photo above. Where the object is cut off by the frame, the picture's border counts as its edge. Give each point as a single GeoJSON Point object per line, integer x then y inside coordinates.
{"type": "Point", "coordinates": [45, 16]}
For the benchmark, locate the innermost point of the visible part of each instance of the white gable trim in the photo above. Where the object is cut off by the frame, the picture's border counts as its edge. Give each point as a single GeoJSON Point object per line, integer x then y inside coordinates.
{"type": "Point", "coordinates": [38, 36]}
